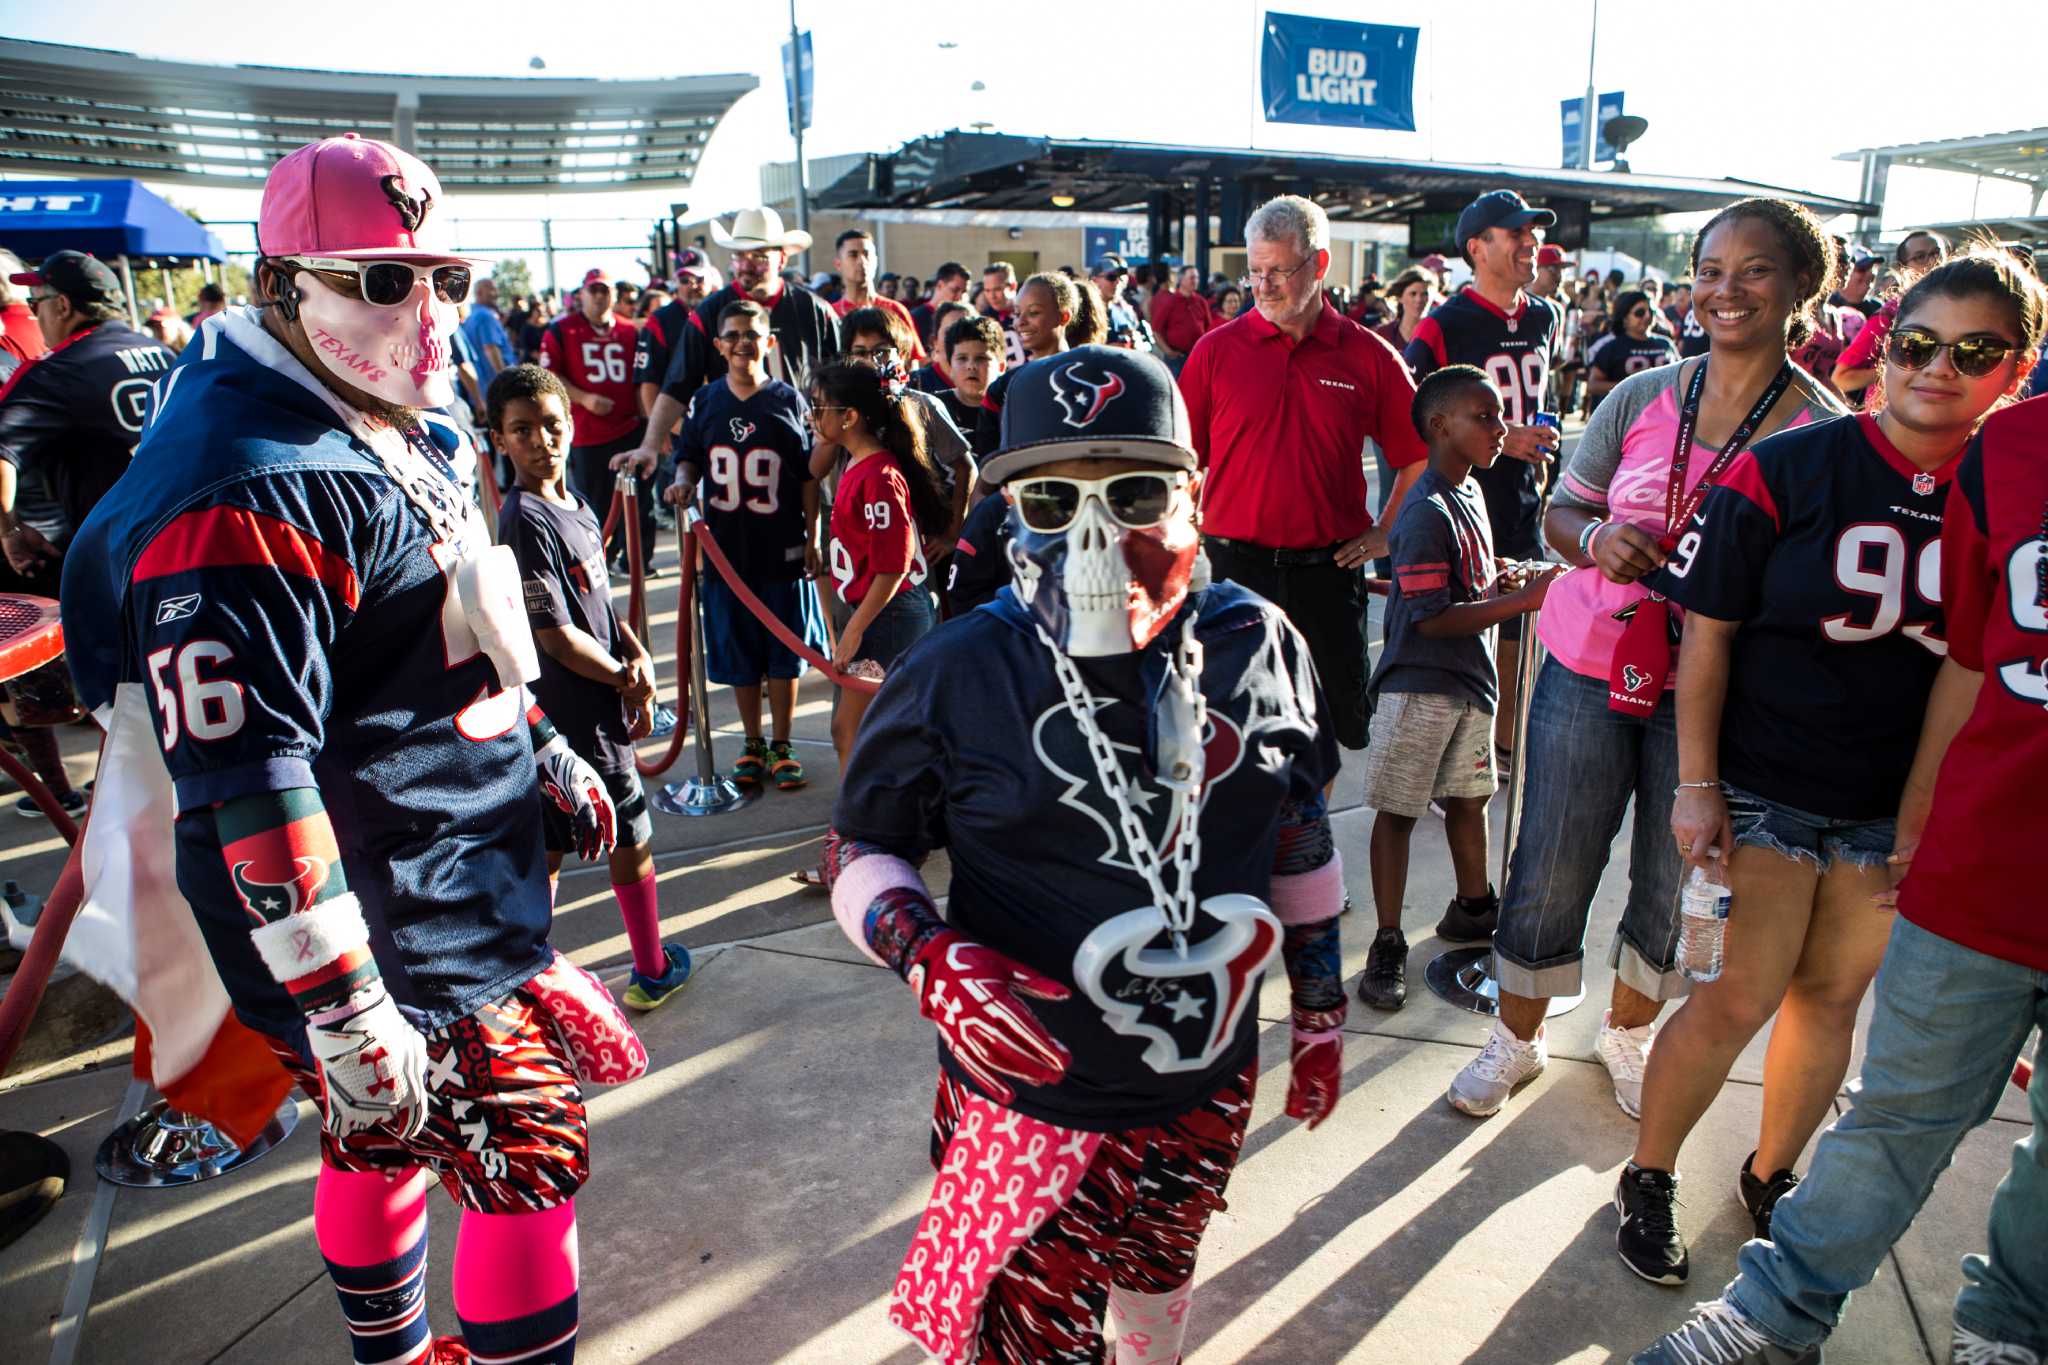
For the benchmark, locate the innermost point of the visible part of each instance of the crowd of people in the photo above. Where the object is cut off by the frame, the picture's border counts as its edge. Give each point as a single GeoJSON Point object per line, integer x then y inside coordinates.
{"type": "Point", "coordinates": [1087, 555]}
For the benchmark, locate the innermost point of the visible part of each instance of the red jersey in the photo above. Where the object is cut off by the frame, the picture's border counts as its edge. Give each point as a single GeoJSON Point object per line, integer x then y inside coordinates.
{"type": "Point", "coordinates": [842, 307]}
{"type": "Point", "coordinates": [873, 531]}
{"type": "Point", "coordinates": [1976, 879]}
{"type": "Point", "coordinates": [1280, 426]}
{"type": "Point", "coordinates": [597, 362]}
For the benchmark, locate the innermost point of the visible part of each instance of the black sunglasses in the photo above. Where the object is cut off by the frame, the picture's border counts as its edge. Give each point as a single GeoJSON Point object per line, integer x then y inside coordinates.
{"type": "Point", "coordinates": [1975, 357]}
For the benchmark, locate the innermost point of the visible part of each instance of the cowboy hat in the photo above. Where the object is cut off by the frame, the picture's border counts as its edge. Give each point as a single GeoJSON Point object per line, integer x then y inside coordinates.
{"type": "Point", "coordinates": [755, 229]}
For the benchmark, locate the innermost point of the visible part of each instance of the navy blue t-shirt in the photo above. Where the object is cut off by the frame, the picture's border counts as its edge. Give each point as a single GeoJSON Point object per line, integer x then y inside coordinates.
{"type": "Point", "coordinates": [1442, 550]}
{"type": "Point", "coordinates": [562, 576]}
{"type": "Point", "coordinates": [1624, 355]}
{"type": "Point", "coordinates": [267, 583]}
{"type": "Point", "coordinates": [1825, 543]}
{"type": "Point", "coordinates": [752, 457]}
{"type": "Point", "coordinates": [970, 746]}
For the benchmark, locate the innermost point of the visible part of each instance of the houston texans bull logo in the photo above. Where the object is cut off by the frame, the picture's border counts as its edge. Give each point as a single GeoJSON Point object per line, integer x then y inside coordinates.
{"type": "Point", "coordinates": [1633, 678]}
{"type": "Point", "coordinates": [1082, 399]}
{"type": "Point", "coordinates": [412, 210]}
{"type": "Point", "coordinates": [1186, 1004]}
{"type": "Point", "coordinates": [741, 429]}
{"type": "Point", "coordinates": [267, 902]}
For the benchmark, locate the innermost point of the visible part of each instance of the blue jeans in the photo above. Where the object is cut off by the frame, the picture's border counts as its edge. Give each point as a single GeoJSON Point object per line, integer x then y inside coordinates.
{"type": "Point", "coordinates": [1948, 1025]}
{"type": "Point", "coordinates": [1585, 763]}
{"type": "Point", "coordinates": [1801, 835]}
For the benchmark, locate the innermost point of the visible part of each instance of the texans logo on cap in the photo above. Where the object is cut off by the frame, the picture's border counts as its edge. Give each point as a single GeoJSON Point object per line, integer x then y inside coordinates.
{"type": "Point", "coordinates": [1082, 399]}
{"type": "Point", "coordinates": [412, 209]}
{"type": "Point", "coordinates": [741, 429]}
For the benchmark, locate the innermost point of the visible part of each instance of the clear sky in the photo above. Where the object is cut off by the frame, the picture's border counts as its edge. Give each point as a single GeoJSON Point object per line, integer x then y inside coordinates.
{"type": "Point", "coordinates": [1764, 90]}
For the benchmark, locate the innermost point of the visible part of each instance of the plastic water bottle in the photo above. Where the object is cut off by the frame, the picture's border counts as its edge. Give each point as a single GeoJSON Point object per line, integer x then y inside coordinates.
{"type": "Point", "coordinates": [1702, 926]}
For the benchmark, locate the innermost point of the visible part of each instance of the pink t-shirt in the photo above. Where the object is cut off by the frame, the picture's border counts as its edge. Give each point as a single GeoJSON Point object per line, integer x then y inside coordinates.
{"type": "Point", "coordinates": [1621, 470]}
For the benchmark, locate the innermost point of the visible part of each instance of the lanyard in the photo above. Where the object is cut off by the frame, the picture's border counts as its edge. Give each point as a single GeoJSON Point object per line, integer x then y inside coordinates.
{"type": "Point", "coordinates": [1677, 513]}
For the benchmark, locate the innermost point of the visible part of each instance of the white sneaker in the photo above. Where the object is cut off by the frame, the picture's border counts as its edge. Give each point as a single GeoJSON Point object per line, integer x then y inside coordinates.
{"type": "Point", "coordinates": [1504, 1063]}
{"type": "Point", "coordinates": [1626, 1051]}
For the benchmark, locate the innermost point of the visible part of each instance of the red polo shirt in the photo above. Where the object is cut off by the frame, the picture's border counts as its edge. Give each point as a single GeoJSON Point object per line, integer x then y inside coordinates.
{"type": "Point", "coordinates": [1182, 319]}
{"type": "Point", "coordinates": [1280, 427]}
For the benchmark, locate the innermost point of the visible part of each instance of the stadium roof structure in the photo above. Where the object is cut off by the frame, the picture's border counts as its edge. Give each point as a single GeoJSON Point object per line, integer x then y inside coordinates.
{"type": "Point", "coordinates": [998, 171]}
{"type": "Point", "coordinates": [67, 111]}
{"type": "Point", "coordinates": [2020, 156]}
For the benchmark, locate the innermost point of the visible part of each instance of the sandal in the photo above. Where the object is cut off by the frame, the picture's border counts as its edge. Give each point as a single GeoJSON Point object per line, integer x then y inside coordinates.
{"type": "Point", "coordinates": [784, 767]}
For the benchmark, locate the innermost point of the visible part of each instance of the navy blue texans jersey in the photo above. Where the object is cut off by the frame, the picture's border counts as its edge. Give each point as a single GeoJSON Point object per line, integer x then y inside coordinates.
{"type": "Point", "coordinates": [1825, 543]}
{"type": "Point", "coordinates": [752, 457]}
{"type": "Point", "coordinates": [292, 617]}
{"type": "Point", "coordinates": [970, 745]}
{"type": "Point", "coordinates": [1624, 355]}
{"type": "Point", "coordinates": [980, 564]}
{"type": "Point", "coordinates": [1516, 350]}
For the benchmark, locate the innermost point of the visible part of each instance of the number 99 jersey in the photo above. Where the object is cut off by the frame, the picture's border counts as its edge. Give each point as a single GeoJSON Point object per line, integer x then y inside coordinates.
{"type": "Point", "coordinates": [873, 532]}
{"type": "Point", "coordinates": [752, 458]}
{"type": "Point", "coordinates": [1825, 543]}
{"type": "Point", "coordinates": [1515, 349]}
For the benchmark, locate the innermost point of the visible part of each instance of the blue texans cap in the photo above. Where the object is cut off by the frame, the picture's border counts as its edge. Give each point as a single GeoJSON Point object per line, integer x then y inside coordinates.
{"type": "Point", "coordinates": [1498, 208]}
{"type": "Point", "coordinates": [1093, 402]}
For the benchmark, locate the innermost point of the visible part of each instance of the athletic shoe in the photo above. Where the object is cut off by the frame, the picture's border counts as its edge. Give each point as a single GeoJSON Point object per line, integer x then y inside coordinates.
{"type": "Point", "coordinates": [1967, 1348]}
{"type": "Point", "coordinates": [449, 1350]}
{"type": "Point", "coordinates": [1470, 922]}
{"type": "Point", "coordinates": [1648, 1239]}
{"type": "Point", "coordinates": [1504, 1063]}
{"type": "Point", "coordinates": [752, 764]}
{"type": "Point", "coordinates": [784, 766]}
{"type": "Point", "coordinates": [1626, 1051]}
{"type": "Point", "coordinates": [73, 806]}
{"type": "Point", "coordinates": [1718, 1335]}
{"type": "Point", "coordinates": [1385, 983]}
{"type": "Point", "coordinates": [1762, 1196]}
{"type": "Point", "coordinates": [664, 721]}
{"type": "Point", "coordinates": [652, 992]}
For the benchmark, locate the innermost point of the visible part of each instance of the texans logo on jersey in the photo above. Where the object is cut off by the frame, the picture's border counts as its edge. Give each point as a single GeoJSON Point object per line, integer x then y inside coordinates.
{"type": "Point", "coordinates": [741, 430]}
{"type": "Point", "coordinates": [1058, 743]}
{"type": "Point", "coordinates": [1185, 1002]}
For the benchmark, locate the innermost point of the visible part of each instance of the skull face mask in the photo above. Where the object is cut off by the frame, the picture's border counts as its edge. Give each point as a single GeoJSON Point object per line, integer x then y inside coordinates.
{"type": "Point", "coordinates": [1102, 563]}
{"type": "Point", "coordinates": [399, 353]}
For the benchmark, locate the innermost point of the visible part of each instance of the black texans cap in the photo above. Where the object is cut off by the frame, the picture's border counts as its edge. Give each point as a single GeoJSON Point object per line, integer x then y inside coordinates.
{"type": "Point", "coordinates": [77, 276]}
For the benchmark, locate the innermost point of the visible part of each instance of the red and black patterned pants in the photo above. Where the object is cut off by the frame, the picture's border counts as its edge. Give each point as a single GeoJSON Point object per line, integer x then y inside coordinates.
{"type": "Point", "coordinates": [1136, 1222]}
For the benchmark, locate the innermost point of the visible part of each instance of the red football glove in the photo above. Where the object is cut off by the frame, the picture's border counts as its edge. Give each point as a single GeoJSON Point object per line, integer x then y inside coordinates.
{"type": "Point", "coordinates": [971, 992]}
{"type": "Point", "coordinates": [1318, 1062]}
{"type": "Point", "coordinates": [579, 793]}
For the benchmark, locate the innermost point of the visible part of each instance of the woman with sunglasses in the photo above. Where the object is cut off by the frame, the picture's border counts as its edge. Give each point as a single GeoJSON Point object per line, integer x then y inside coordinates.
{"type": "Point", "coordinates": [888, 503]}
{"type": "Point", "coordinates": [1811, 578]}
{"type": "Point", "coordinates": [1632, 347]}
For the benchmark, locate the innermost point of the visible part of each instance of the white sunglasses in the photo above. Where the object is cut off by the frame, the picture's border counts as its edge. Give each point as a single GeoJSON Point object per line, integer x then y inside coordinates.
{"type": "Point", "coordinates": [390, 283]}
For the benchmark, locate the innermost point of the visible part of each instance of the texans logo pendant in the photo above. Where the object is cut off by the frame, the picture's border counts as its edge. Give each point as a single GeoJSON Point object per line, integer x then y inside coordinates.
{"type": "Point", "coordinates": [1187, 1005]}
{"type": "Point", "coordinates": [1923, 483]}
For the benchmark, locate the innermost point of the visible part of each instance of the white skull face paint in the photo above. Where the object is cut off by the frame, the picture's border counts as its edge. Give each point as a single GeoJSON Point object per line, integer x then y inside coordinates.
{"type": "Point", "coordinates": [1097, 583]}
{"type": "Point", "coordinates": [400, 354]}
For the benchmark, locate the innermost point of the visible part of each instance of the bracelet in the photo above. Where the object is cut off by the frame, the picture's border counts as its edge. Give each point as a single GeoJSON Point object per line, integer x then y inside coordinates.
{"type": "Point", "coordinates": [1713, 782]}
{"type": "Point", "coordinates": [1586, 536]}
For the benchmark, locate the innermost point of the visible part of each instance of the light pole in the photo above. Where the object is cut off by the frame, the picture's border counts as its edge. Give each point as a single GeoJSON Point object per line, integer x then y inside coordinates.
{"type": "Point", "coordinates": [1588, 129]}
{"type": "Point", "coordinates": [796, 125]}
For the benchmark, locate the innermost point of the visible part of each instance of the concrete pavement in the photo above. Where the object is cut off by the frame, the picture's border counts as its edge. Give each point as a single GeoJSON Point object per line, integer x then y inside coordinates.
{"type": "Point", "coordinates": [753, 1196]}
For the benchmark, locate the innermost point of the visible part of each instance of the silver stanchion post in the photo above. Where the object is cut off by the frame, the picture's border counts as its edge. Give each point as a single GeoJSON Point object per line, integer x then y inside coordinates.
{"type": "Point", "coordinates": [162, 1146]}
{"type": "Point", "coordinates": [1464, 976]}
{"type": "Point", "coordinates": [707, 793]}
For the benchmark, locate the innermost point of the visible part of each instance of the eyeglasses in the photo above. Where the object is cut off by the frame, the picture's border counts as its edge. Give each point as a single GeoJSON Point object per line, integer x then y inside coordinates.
{"type": "Point", "coordinates": [1257, 279]}
{"type": "Point", "coordinates": [1975, 357]}
{"type": "Point", "coordinates": [388, 284]}
{"type": "Point", "coordinates": [1050, 503]}
{"type": "Point", "coordinates": [1639, 312]}
{"type": "Point", "coordinates": [878, 353]}
{"type": "Point", "coordinates": [36, 301]}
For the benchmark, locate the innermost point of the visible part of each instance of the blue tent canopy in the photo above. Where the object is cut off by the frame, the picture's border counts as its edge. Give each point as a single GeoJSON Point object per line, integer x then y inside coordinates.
{"type": "Point", "coordinates": [107, 218]}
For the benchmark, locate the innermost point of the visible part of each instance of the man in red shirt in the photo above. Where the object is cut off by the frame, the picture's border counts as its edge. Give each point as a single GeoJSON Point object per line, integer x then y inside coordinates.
{"type": "Point", "coordinates": [21, 336]}
{"type": "Point", "coordinates": [855, 261]}
{"type": "Point", "coordinates": [1181, 318]}
{"type": "Point", "coordinates": [1281, 400]}
{"type": "Point", "coordinates": [592, 351]}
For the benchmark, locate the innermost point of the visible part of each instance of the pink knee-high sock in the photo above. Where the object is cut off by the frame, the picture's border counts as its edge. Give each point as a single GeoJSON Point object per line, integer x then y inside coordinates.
{"type": "Point", "coordinates": [638, 908]}
{"type": "Point", "coordinates": [372, 1230]}
{"type": "Point", "coordinates": [515, 1285]}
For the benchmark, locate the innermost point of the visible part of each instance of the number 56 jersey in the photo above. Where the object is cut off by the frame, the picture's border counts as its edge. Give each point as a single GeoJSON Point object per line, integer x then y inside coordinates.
{"type": "Point", "coordinates": [1825, 543]}
{"type": "Point", "coordinates": [291, 621]}
{"type": "Point", "coordinates": [752, 457]}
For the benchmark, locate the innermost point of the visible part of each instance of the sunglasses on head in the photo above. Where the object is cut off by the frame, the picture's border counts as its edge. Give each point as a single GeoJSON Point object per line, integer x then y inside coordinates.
{"type": "Point", "coordinates": [390, 283]}
{"type": "Point", "coordinates": [1050, 502]}
{"type": "Point", "coordinates": [1913, 349]}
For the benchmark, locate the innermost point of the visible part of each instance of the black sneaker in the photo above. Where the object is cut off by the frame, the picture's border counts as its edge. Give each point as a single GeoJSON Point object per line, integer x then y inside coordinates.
{"type": "Point", "coordinates": [1467, 922]}
{"type": "Point", "coordinates": [1760, 1197]}
{"type": "Point", "coordinates": [1648, 1239]}
{"type": "Point", "coordinates": [72, 805]}
{"type": "Point", "coordinates": [1385, 983]}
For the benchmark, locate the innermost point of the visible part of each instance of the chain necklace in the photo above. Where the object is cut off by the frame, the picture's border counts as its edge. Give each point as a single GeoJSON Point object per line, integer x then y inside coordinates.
{"type": "Point", "coordinates": [429, 485]}
{"type": "Point", "coordinates": [1184, 673]}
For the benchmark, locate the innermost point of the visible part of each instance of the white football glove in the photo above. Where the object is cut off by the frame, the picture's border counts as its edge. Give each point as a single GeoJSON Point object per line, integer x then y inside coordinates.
{"type": "Point", "coordinates": [374, 1064]}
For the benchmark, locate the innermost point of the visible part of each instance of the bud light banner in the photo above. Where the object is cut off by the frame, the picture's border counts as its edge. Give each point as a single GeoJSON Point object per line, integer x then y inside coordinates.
{"type": "Point", "coordinates": [1338, 72]}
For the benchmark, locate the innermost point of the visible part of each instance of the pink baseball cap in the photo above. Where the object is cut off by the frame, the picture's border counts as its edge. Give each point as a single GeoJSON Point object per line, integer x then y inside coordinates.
{"type": "Point", "coordinates": [354, 198]}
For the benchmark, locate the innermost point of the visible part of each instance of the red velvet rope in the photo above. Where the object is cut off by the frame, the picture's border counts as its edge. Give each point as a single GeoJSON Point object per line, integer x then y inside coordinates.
{"type": "Point", "coordinates": [768, 618]}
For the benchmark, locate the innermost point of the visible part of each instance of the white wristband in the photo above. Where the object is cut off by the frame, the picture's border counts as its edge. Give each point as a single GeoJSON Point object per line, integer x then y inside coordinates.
{"type": "Point", "coordinates": [311, 939]}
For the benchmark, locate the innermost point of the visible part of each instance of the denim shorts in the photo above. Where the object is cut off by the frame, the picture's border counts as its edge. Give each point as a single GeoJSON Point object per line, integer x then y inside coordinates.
{"type": "Point", "coordinates": [1797, 834]}
{"type": "Point", "coordinates": [907, 618]}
